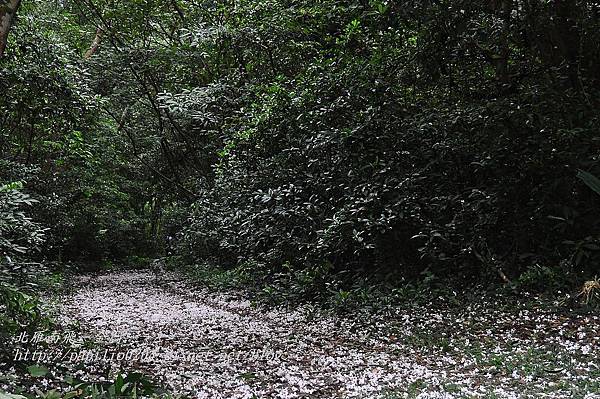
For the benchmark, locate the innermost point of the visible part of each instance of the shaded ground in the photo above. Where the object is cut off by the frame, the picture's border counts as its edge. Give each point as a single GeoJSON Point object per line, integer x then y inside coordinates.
{"type": "Point", "coordinates": [210, 345]}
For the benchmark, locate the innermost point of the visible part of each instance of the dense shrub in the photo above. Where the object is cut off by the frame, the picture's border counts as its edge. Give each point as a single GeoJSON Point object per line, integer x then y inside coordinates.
{"type": "Point", "coordinates": [20, 237]}
{"type": "Point", "coordinates": [390, 141]}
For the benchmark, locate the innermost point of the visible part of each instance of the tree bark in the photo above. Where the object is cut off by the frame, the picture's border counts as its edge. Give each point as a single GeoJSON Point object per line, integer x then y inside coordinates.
{"type": "Point", "coordinates": [95, 44]}
{"type": "Point", "coordinates": [8, 12]}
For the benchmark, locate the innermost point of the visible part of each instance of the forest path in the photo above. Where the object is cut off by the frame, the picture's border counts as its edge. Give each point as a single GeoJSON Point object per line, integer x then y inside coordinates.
{"type": "Point", "coordinates": [214, 345]}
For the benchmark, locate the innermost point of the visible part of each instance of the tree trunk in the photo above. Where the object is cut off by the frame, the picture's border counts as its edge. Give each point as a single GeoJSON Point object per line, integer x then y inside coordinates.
{"type": "Point", "coordinates": [95, 44]}
{"type": "Point", "coordinates": [8, 12]}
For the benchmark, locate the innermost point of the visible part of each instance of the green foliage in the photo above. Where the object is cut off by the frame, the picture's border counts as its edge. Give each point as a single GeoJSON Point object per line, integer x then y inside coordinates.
{"type": "Point", "coordinates": [20, 238]}
{"type": "Point", "coordinates": [350, 152]}
{"type": "Point", "coordinates": [57, 140]}
{"type": "Point", "coordinates": [130, 385]}
{"type": "Point", "coordinates": [125, 385]}
{"type": "Point", "coordinates": [37, 371]}
{"type": "Point", "coordinates": [545, 279]}
{"type": "Point", "coordinates": [19, 234]}
{"type": "Point", "coordinates": [18, 310]}
{"type": "Point", "coordinates": [354, 155]}
{"type": "Point", "coordinates": [371, 137]}
{"type": "Point", "coordinates": [10, 396]}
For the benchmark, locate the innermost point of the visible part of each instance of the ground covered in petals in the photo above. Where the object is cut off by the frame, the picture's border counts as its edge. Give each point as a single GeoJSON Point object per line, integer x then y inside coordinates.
{"type": "Point", "coordinates": [207, 345]}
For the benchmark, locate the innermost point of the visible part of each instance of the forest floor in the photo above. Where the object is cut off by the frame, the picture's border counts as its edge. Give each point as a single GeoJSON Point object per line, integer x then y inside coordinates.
{"type": "Point", "coordinates": [218, 345]}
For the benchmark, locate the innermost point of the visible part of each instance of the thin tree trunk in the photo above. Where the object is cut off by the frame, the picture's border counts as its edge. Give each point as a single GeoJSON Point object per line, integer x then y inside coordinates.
{"type": "Point", "coordinates": [95, 44]}
{"type": "Point", "coordinates": [8, 12]}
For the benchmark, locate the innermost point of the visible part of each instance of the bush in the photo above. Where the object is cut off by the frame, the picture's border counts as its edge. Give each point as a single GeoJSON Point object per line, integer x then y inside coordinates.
{"type": "Point", "coordinates": [354, 156]}
{"type": "Point", "coordinates": [20, 238]}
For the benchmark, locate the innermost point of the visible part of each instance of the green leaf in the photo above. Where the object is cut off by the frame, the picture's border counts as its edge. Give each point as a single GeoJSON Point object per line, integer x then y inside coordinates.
{"type": "Point", "coordinates": [590, 180]}
{"type": "Point", "coordinates": [125, 387]}
{"type": "Point", "coordinates": [70, 395]}
{"type": "Point", "coordinates": [17, 185]}
{"type": "Point", "coordinates": [10, 396]}
{"type": "Point", "coordinates": [119, 383]}
{"type": "Point", "coordinates": [53, 394]}
{"type": "Point", "coordinates": [37, 371]}
{"type": "Point", "coordinates": [248, 376]}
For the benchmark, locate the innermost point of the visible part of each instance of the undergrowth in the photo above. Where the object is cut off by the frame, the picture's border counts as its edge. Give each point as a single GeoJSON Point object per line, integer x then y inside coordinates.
{"type": "Point", "coordinates": [344, 291]}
